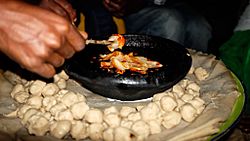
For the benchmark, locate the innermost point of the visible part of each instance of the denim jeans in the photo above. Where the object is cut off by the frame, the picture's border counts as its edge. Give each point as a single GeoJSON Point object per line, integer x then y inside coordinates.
{"type": "Point", "coordinates": [177, 22]}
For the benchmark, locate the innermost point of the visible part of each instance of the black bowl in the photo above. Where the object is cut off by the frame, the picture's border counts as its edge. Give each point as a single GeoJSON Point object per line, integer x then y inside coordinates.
{"type": "Point", "coordinates": [84, 67]}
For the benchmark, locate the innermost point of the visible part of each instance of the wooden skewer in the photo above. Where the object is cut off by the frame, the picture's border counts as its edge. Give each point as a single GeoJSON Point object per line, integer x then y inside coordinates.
{"type": "Point", "coordinates": [100, 42]}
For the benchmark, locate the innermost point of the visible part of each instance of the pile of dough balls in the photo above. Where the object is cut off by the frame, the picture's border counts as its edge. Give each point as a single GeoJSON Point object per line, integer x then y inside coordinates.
{"type": "Point", "coordinates": [49, 108]}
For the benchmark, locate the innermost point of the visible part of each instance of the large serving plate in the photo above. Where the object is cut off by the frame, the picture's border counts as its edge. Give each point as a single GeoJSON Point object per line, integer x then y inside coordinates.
{"type": "Point", "coordinates": [84, 67]}
{"type": "Point", "coordinates": [235, 115]}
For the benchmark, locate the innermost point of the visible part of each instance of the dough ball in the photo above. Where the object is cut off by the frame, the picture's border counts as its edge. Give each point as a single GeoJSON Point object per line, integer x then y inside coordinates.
{"type": "Point", "coordinates": [79, 109]}
{"type": "Point", "coordinates": [21, 97]}
{"type": "Point", "coordinates": [69, 99]}
{"type": "Point", "coordinates": [193, 86]}
{"type": "Point", "coordinates": [37, 87]}
{"type": "Point", "coordinates": [110, 110]}
{"type": "Point", "coordinates": [134, 116]}
{"type": "Point", "coordinates": [125, 111]}
{"type": "Point", "coordinates": [63, 75]}
{"type": "Point", "coordinates": [201, 74]}
{"type": "Point", "coordinates": [60, 128]}
{"type": "Point", "coordinates": [171, 119]}
{"type": "Point", "coordinates": [124, 134]}
{"type": "Point", "coordinates": [95, 131]}
{"type": "Point", "coordinates": [183, 83]}
{"type": "Point", "coordinates": [79, 130]}
{"type": "Point", "coordinates": [81, 97]}
{"type": "Point", "coordinates": [64, 115]}
{"type": "Point", "coordinates": [50, 89]}
{"type": "Point", "coordinates": [187, 97]}
{"type": "Point", "coordinates": [178, 90]}
{"type": "Point", "coordinates": [61, 83]}
{"type": "Point", "coordinates": [113, 120]}
{"type": "Point", "coordinates": [141, 128]}
{"type": "Point", "coordinates": [198, 104]}
{"type": "Point", "coordinates": [48, 102]}
{"type": "Point", "coordinates": [150, 112]}
{"type": "Point", "coordinates": [54, 110]}
{"type": "Point", "coordinates": [29, 113]}
{"type": "Point", "coordinates": [108, 134]}
{"type": "Point", "coordinates": [179, 102]}
{"type": "Point", "coordinates": [188, 112]}
{"type": "Point", "coordinates": [35, 101]}
{"type": "Point", "coordinates": [158, 96]}
{"type": "Point", "coordinates": [94, 116]}
{"type": "Point", "coordinates": [17, 88]}
{"type": "Point", "coordinates": [126, 123]}
{"type": "Point", "coordinates": [155, 127]}
{"type": "Point", "coordinates": [22, 110]}
{"type": "Point", "coordinates": [38, 125]}
{"type": "Point", "coordinates": [168, 103]}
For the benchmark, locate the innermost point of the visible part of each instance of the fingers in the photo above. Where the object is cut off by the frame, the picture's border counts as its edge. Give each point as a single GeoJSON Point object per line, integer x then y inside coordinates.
{"type": "Point", "coordinates": [115, 7]}
{"type": "Point", "coordinates": [112, 6]}
{"type": "Point", "coordinates": [68, 32]}
{"type": "Point", "coordinates": [75, 38]}
{"type": "Point", "coordinates": [40, 67]}
{"type": "Point", "coordinates": [84, 34]}
{"type": "Point", "coordinates": [64, 35]}
{"type": "Point", "coordinates": [61, 11]}
{"type": "Point", "coordinates": [66, 51]}
{"type": "Point", "coordinates": [56, 60]}
{"type": "Point", "coordinates": [45, 70]}
{"type": "Point", "coordinates": [60, 7]}
{"type": "Point", "coordinates": [68, 8]}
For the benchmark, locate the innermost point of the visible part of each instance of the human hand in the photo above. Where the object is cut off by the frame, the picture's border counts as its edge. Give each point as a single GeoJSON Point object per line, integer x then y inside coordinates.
{"type": "Point", "coordinates": [61, 7]}
{"type": "Point", "coordinates": [37, 39]}
{"type": "Point", "coordinates": [120, 8]}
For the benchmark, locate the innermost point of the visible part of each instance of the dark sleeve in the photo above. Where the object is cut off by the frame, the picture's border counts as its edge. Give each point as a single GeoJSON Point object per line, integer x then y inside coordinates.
{"type": "Point", "coordinates": [98, 21]}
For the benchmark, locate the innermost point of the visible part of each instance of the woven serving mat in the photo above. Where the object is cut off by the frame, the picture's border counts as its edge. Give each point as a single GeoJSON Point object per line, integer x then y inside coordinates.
{"type": "Point", "coordinates": [219, 91]}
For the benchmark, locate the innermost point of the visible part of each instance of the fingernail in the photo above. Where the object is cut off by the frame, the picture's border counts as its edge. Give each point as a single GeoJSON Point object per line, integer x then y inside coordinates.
{"type": "Point", "coordinates": [49, 71]}
{"type": "Point", "coordinates": [70, 55]}
{"type": "Point", "coordinates": [62, 62]}
{"type": "Point", "coordinates": [84, 34]}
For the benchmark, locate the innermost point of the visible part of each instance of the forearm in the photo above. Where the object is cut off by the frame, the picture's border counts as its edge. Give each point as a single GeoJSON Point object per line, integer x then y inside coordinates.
{"type": "Point", "coordinates": [27, 1]}
{"type": "Point", "coordinates": [6, 23]}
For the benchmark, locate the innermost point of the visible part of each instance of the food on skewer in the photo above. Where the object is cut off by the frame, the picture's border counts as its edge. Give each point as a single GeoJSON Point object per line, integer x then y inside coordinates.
{"type": "Point", "coordinates": [122, 62]}
{"type": "Point", "coordinates": [114, 42]}
{"type": "Point", "coordinates": [117, 40]}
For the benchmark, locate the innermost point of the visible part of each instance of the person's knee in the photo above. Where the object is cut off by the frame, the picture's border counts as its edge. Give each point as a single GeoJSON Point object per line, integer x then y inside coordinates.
{"type": "Point", "coordinates": [166, 18]}
{"type": "Point", "coordinates": [199, 33]}
{"type": "Point", "coordinates": [167, 23]}
{"type": "Point", "coordinates": [158, 21]}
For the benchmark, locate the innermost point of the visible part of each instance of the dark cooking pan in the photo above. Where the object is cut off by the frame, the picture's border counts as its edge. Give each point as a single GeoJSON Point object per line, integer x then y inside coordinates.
{"type": "Point", "coordinates": [84, 67]}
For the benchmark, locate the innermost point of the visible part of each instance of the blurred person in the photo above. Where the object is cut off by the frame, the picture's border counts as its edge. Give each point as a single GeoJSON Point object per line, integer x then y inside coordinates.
{"type": "Point", "coordinates": [39, 35]}
{"type": "Point", "coordinates": [235, 53]}
{"type": "Point", "coordinates": [171, 19]}
{"type": "Point", "coordinates": [201, 25]}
